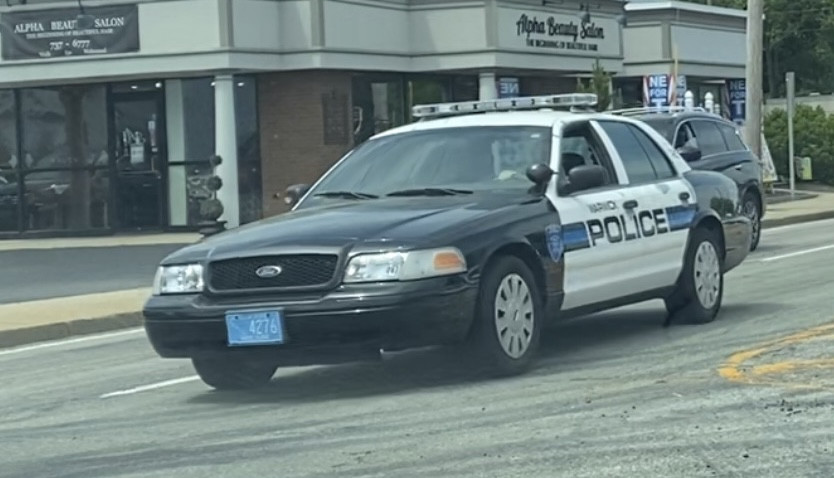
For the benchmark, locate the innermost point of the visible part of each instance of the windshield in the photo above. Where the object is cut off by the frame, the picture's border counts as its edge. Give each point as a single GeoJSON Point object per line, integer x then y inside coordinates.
{"type": "Point", "coordinates": [471, 159]}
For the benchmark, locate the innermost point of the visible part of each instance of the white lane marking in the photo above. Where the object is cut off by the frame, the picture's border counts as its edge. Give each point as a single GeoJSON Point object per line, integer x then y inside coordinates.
{"type": "Point", "coordinates": [152, 386]}
{"type": "Point", "coordinates": [57, 343]}
{"type": "Point", "coordinates": [798, 253]}
{"type": "Point", "coordinates": [789, 227]}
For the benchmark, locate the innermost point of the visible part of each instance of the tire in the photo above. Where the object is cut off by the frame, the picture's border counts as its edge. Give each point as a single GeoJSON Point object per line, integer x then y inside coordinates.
{"type": "Point", "coordinates": [233, 374]}
{"type": "Point", "coordinates": [752, 209]}
{"type": "Point", "coordinates": [507, 346]}
{"type": "Point", "coordinates": [700, 289]}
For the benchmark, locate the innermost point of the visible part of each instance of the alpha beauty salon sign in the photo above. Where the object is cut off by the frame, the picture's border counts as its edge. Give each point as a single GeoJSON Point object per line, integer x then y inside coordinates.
{"type": "Point", "coordinates": [58, 33]}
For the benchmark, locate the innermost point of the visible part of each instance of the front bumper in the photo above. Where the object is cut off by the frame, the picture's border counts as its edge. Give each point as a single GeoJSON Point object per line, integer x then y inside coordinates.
{"type": "Point", "coordinates": [341, 325]}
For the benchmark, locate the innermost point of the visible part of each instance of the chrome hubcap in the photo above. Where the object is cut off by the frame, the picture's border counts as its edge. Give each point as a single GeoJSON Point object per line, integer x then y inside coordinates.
{"type": "Point", "coordinates": [514, 315]}
{"type": "Point", "coordinates": [752, 213]}
{"type": "Point", "coordinates": [707, 273]}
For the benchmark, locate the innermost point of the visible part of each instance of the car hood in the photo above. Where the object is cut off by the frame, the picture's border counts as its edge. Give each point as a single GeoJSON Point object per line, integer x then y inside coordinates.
{"type": "Point", "coordinates": [407, 221]}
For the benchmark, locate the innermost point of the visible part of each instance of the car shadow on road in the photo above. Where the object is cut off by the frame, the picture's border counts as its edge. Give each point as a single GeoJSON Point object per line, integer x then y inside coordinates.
{"type": "Point", "coordinates": [431, 368]}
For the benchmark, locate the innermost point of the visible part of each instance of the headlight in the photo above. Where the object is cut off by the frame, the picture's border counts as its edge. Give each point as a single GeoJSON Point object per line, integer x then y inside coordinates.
{"type": "Point", "coordinates": [403, 266]}
{"type": "Point", "coordinates": [182, 279]}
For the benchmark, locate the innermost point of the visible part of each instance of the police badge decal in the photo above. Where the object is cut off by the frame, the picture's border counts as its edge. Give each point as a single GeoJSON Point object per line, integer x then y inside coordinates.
{"type": "Point", "coordinates": [555, 245]}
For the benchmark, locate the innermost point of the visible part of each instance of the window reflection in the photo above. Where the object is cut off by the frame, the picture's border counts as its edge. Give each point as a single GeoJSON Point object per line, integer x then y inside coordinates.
{"type": "Point", "coordinates": [9, 193]}
{"type": "Point", "coordinates": [191, 140]}
{"type": "Point", "coordinates": [65, 157]}
{"type": "Point", "coordinates": [378, 105]}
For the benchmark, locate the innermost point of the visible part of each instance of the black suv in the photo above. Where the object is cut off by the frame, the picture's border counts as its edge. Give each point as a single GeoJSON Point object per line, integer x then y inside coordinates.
{"type": "Point", "coordinates": [709, 142]}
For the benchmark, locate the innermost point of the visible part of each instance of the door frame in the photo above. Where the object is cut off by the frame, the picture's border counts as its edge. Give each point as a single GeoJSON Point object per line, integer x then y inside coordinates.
{"type": "Point", "coordinates": [157, 96]}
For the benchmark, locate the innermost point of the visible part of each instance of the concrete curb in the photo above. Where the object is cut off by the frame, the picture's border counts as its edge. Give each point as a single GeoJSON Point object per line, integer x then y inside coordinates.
{"type": "Point", "coordinates": [62, 330]}
{"type": "Point", "coordinates": [786, 221]}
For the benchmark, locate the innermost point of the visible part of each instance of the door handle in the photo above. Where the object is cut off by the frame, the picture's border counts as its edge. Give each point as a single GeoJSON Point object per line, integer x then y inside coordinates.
{"type": "Point", "coordinates": [630, 204]}
{"type": "Point", "coordinates": [684, 196]}
{"type": "Point", "coordinates": [738, 167]}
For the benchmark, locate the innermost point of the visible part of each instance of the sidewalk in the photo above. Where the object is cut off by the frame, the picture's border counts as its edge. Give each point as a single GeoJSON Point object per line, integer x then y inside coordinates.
{"type": "Point", "coordinates": [802, 210]}
{"type": "Point", "coordinates": [51, 319]}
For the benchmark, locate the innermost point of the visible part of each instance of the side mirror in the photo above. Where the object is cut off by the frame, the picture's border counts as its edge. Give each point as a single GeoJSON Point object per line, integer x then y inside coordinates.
{"type": "Point", "coordinates": [539, 174]}
{"type": "Point", "coordinates": [689, 152]}
{"type": "Point", "coordinates": [580, 178]}
{"type": "Point", "coordinates": [294, 193]}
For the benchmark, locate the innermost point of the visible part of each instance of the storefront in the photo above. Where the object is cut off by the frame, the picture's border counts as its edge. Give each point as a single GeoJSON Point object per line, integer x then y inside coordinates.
{"type": "Point", "coordinates": [672, 47]}
{"type": "Point", "coordinates": [109, 112]}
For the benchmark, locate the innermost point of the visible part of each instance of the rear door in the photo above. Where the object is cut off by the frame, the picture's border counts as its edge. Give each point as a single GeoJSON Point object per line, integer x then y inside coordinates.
{"type": "Point", "coordinates": [658, 206]}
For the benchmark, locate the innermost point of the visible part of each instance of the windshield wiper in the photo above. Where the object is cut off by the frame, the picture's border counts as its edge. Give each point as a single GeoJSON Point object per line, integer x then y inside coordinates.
{"type": "Point", "coordinates": [429, 192]}
{"type": "Point", "coordinates": [346, 195]}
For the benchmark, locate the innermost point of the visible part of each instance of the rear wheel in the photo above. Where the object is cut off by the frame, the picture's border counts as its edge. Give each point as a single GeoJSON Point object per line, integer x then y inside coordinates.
{"type": "Point", "coordinates": [233, 374]}
{"type": "Point", "coordinates": [700, 289]}
{"type": "Point", "coordinates": [752, 209]}
{"type": "Point", "coordinates": [506, 331]}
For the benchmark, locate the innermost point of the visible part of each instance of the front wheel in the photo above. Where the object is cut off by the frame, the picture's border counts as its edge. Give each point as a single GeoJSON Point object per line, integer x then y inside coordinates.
{"type": "Point", "coordinates": [700, 288]}
{"type": "Point", "coordinates": [232, 373]}
{"type": "Point", "coordinates": [508, 319]}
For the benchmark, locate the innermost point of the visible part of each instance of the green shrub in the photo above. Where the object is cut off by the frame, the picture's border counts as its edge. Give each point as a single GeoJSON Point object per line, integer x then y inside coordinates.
{"type": "Point", "coordinates": [813, 137]}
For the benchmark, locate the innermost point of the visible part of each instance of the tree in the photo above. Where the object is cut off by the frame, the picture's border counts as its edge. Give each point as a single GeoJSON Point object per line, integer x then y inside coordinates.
{"type": "Point", "coordinates": [813, 137]}
{"type": "Point", "coordinates": [798, 37]}
{"type": "Point", "coordinates": [600, 84]}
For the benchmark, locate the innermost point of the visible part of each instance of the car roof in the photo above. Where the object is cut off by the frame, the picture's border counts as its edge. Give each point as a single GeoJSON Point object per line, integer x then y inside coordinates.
{"type": "Point", "coordinates": [680, 115]}
{"type": "Point", "coordinates": [543, 117]}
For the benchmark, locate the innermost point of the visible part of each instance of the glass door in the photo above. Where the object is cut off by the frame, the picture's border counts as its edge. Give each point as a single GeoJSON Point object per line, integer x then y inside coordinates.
{"type": "Point", "coordinates": [139, 159]}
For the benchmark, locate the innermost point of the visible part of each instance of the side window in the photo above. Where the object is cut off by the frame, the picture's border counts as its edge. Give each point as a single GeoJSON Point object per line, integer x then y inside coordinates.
{"type": "Point", "coordinates": [636, 161]}
{"type": "Point", "coordinates": [683, 135]}
{"type": "Point", "coordinates": [662, 168]}
{"type": "Point", "coordinates": [580, 146]}
{"type": "Point", "coordinates": [731, 137]}
{"type": "Point", "coordinates": [709, 138]}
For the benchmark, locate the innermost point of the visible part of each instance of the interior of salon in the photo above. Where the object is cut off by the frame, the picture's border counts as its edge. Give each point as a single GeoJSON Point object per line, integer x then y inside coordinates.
{"type": "Point", "coordinates": [130, 156]}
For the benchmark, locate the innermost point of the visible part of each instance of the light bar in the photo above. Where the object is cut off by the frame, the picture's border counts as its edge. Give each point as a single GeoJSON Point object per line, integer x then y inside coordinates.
{"type": "Point", "coordinates": [573, 100]}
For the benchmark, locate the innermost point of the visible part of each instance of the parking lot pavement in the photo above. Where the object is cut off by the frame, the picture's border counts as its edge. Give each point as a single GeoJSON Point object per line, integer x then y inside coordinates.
{"type": "Point", "coordinates": [44, 273]}
{"type": "Point", "coordinates": [614, 394]}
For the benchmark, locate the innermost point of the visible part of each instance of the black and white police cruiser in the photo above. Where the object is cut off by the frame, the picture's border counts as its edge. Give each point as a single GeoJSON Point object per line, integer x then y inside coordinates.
{"type": "Point", "coordinates": [472, 226]}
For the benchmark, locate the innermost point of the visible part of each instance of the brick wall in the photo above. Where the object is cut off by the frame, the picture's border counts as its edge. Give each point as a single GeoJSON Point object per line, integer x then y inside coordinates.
{"type": "Point", "coordinates": [292, 129]}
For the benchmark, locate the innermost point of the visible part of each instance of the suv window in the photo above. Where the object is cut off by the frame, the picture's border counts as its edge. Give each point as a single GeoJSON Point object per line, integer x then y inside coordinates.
{"type": "Point", "coordinates": [636, 153]}
{"type": "Point", "coordinates": [657, 157]}
{"type": "Point", "coordinates": [731, 137]}
{"type": "Point", "coordinates": [709, 137]}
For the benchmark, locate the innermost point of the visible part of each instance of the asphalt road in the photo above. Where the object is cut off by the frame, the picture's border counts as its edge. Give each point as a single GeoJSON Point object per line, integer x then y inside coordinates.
{"type": "Point", "coordinates": [35, 274]}
{"type": "Point", "coordinates": [614, 395]}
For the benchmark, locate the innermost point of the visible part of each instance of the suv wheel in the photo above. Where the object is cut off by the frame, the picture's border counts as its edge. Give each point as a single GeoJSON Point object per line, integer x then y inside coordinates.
{"type": "Point", "coordinates": [752, 210]}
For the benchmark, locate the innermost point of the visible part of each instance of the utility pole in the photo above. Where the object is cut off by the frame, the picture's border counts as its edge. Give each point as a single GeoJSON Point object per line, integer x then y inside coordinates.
{"type": "Point", "coordinates": [753, 81]}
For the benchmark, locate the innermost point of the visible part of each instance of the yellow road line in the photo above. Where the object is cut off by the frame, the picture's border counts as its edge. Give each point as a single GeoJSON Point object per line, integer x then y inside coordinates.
{"type": "Point", "coordinates": [735, 369]}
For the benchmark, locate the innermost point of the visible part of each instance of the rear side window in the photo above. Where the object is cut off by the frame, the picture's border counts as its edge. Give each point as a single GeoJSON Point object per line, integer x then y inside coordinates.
{"type": "Point", "coordinates": [731, 137]}
{"type": "Point", "coordinates": [643, 161]}
{"type": "Point", "coordinates": [709, 138]}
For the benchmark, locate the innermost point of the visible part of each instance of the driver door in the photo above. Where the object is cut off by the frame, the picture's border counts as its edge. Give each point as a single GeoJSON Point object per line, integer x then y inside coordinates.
{"type": "Point", "coordinates": [591, 249]}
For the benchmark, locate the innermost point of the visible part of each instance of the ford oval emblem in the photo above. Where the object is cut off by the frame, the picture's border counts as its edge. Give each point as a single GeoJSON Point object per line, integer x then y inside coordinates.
{"type": "Point", "coordinates": [268, 272]}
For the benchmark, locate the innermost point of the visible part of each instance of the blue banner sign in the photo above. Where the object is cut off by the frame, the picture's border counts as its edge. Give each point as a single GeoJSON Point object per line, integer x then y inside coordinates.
{"type": "Point", "coordinates": [737, 92]}
{"type": "Point", "coordinates": [658, 90]}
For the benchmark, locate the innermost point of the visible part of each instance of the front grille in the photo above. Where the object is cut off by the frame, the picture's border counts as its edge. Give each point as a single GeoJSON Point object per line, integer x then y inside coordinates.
{"type": "Point", "coordinates": [301, 270]}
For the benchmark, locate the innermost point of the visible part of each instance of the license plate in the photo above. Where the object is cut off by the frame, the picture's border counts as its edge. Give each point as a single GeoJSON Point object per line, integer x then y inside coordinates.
{"type": "Point", "coordinates": [255, 328]}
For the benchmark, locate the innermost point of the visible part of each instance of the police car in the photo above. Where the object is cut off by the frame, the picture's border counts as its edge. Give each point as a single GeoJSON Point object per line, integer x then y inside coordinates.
{"type": "Point", "coordinates": [473, 226]}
